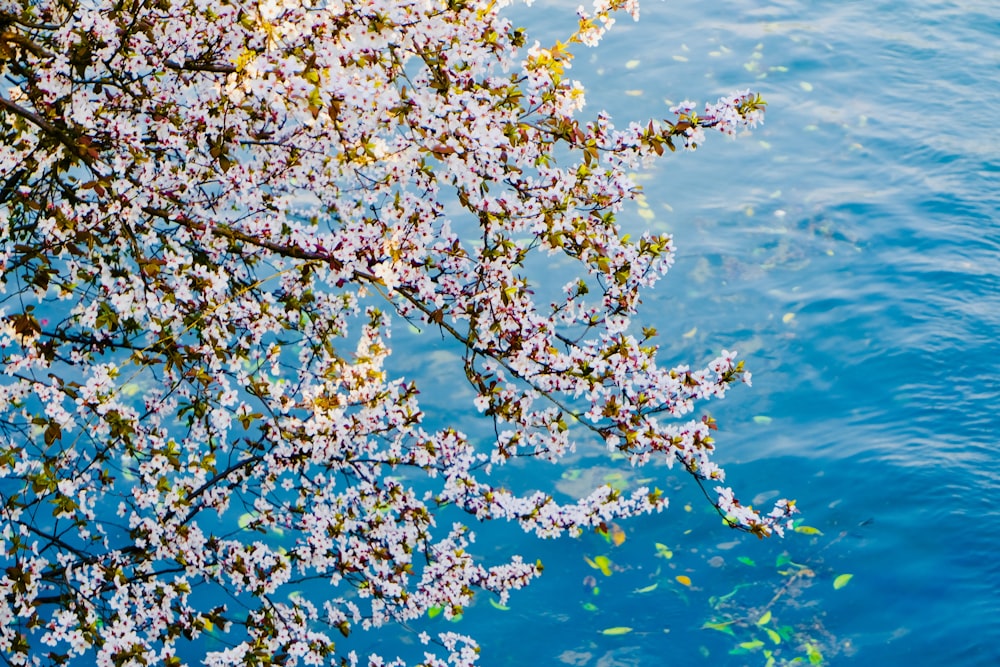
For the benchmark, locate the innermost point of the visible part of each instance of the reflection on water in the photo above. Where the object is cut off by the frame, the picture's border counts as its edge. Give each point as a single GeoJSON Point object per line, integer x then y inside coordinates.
{"type": "Point", "coordinates": [850, 250]}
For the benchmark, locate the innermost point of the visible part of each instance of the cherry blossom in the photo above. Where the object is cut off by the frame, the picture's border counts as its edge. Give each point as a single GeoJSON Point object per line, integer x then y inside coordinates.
{"type": "Point", "coordinates": [213, 214]}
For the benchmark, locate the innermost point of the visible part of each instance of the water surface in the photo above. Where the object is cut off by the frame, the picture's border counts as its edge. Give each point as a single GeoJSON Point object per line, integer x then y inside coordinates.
{"type": "Point", "coordinates": [850, 250]}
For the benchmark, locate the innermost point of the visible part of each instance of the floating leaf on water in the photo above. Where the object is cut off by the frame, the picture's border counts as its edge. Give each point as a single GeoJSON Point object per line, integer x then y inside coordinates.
{"type": "Point", "coordinates": [787, 317]}
{"type": "Point", "coordinates": [687, 507]}
{"type": "Point", "coordinates": [841, 581]}
{"type": "Point", "coordinates": [646, 589]}
{"type": "Point", "coordinates": [815, 657]}
{"type": "Point", "coordinates": [746, 560]}
{"type": "Point", "coordinates": [602, 563]}
{"type": "Point", "coordinates": [751, 645]}
{"type": "Point", "coordinates": [632, 64]}
{"type": "Point", "coordinates": [782, 560]}
{"type": "Point", "coordinates": [721, 627]}
{"type": "Point", "coordinates": [684, 580]}
{"type": "Point", "coordinates": [456, 618]}
{"type": "Point", "coordinates": [589, 606]}
{"type": "Point", "coordinates": [762, 419]}
{"type": "Point", "coordinates": [775, 637]}
{"type": "Point", "coordinates": [617, 535]}
{"type": "Point", "coordinates": [245, 520]}
{"type": "Point", "coordinates": [808, 530]}
{"type": "Point", "coordinates": [691, 333]}
{"type": "Point", "coordinates": [663, 551]}
{"type": "Point", "coordinates": [619, 630]}
{"type": "Point", "coordinates": [765, 619]}
{"type": "Point", "coordinates": [497, 605]}
{"type": "Point", "coordinates": [434, 611]}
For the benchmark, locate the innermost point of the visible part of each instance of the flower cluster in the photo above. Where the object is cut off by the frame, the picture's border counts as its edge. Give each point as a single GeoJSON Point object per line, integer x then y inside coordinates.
{"type": "Point", "coordinates": [201, 205]}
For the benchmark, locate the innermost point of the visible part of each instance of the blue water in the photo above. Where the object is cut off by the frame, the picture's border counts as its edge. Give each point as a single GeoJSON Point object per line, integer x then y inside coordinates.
{"type": "Point", "coordinates": [850, 250]}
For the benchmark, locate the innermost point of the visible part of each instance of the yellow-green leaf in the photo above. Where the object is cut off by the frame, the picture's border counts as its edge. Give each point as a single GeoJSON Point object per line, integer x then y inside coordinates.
{"type": "Point", "coordinates": [603, 563]}
{"type": "Point", "coordinates": [765, 619]}
{"type": "Point", "coordinates": [497, 605]}
{"type": "Point", "coordinates": [647, 589]}
{"type": "Point", "coordinates": [664, 551]}
{"type": "Point", "coordinates": [619, 630]}
{"type": "Point", "coordinates": [756, 643]}
{"type": "Point", "coordinates": [841, 581]}
{"type": "Point", "coordinates": [721, 627]}
{"type": "Point", "coordinates": [808, 530]}
{"type": "Point", "coordinates": [775, 637]}
{"type": "Point", "coordinates": [815, 657]}
{"type": "Point", "coordinates": [433, 611]}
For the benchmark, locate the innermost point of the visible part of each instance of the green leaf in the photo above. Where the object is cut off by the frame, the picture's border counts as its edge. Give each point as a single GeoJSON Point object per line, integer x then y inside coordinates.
{"type": "Point", "coordinates": [602, 563]}
{"type": "Point", "coordinates": [497, 605]}
{"type": "Point", "coordinates": [751, 645]}
{"type": "Point", "coordinates": [616, 631]}
{"type": "Point", "coordinates": [841, 581]}
{"type": "Point", "coordinates": [762, 419]}
{"type": "Point", "coordinates": [746, 561]}
{"type": "Point", "coordinates": [664, 551]}
{"type": "Point", "coordinates": [765, 618]}
{"type": "Point", "coordinates": [647, 589]}
{"type": "Point", "coordinates": [589, 606]}
{"type": "Point", "coordinates": [721, 627]}
{"type": "Point", "coordinates": [815, 657]}
{"type": "Point", "coordinates": [808, 530]}
{"type": "Point", "coordinates": [775, 637]}
{"type": "Point", "coordinates": [434, 611]}
{"type": "Point", "coordinates": [782, 560]}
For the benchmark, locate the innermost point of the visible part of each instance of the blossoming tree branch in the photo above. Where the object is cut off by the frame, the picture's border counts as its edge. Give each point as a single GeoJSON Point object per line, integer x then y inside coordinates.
{"type": "Point", "coordinates": [211, 214]}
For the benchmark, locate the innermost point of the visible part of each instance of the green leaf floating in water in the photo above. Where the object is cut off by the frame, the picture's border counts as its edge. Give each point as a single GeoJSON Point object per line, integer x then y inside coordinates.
{"type": "Point", "coordinates": [497, 605]}
{"type": "Point", "coordinates": [614, 632]}
{"type": "Point", "coordinates": [721, 627]}
{"type": "Point", "coordinates": [663, 551]}
{"type": "Point", "coordinates": [841, 581]}
{"type": "Point", "coordinates": [746, 561]}
{"type": "Point", "coordinates": [602, 563]}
